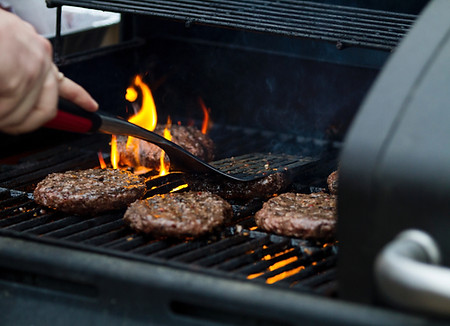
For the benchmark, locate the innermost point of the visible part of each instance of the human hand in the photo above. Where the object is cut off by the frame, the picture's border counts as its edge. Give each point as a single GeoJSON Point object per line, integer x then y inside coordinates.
{"type": "Point", "coordinates": [30, 83]}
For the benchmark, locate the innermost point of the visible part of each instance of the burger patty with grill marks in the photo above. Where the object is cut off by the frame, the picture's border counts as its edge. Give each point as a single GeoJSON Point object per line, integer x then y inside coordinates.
{"type": "Point", "coordinates": [333, 182]}
{"type": "Point", "coordinates": [178, 214]}
{"type": "Point", "coordinates": [188, 137]}
{"type": "Point", "coordinates": [307, 216]}
{"type": "Point", "coordinates": [89, 192]}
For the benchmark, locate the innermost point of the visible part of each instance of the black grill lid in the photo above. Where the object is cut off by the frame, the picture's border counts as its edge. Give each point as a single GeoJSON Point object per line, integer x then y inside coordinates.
{"type": "Point", "coordinates": [333, 23]}
{"type": "Point", "coordinates": [394, 167]}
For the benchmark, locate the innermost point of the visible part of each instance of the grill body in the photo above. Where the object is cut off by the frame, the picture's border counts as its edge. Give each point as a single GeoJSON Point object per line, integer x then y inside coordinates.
{"type": "Point", "coordinates": [277, 84]}
{"type": "Point", "coordinates": [405, 180]}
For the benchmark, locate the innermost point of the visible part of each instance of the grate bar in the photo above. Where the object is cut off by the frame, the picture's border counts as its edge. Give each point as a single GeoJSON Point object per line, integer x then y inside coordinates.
{"type": "Point", "coordinates": [127, 242]}
{"type": "Point", "coordinates": [180, 249]}
{"type": "Point", "coordinates": [79, 161]}
{"type": "Point", "coordinates": [261, 266]}
{"type": "Point", "coordinates": [236, 251]}
{"type": "Point", "coordinates": [13, 220]}
{"type": "Point", "coordinates": [12, 205]}
{"type": "Point", "coordinates": [317, 280]}
{"type": "Point", "coordinates": [91, 235]}
{"type": "Point", "coordinates": [312, 270]}
{"type": "Point", "coordinates": [55, 225]}
{"type": "Point", "coordinates": [255, 256]}
{"type": "Point", "coordinates": [32, 223]}
{"type": "Point", "coordinates": [83, 229]}
{"type": "Point", "coordinates": [115, 230]}
{"type": "Point", "coordinates": [205, 251]}
{"type": "Point", "coordinates": [153, 247]}
{"type": "Point", "coordinates": [307, 19]}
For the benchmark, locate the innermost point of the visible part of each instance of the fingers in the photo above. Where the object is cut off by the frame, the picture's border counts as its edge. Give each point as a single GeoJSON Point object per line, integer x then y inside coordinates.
{"type": "Point", "coordinates": [73, 92]}
{"type": "Point", "coordinates": [26, 71]}
{"type": "Point", "coordinates": [30, 83]}
{"type": "Point", "coordinates": [38, 107]}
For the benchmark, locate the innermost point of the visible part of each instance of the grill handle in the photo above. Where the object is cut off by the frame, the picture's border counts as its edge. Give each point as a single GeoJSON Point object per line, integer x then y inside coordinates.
{"type": "Point", "coordinates": [407, 275]}
{"type": "Point", "coordinates": [71, 117]}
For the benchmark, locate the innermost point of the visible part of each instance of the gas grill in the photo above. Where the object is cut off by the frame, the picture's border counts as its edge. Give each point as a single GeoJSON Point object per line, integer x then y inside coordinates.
{"type": "Point", "coordinates": [297, 78]}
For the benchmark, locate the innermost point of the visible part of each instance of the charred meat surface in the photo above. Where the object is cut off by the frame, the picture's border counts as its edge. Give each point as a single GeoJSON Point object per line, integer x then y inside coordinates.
{"type": "Point", "coordinates": [178, 214]}
{"type": "Point", "coordinates": [88, 192]}
{"type": "Point", "coordinates": [260, 188]}
{"type": "Point", "coordinates": [188, 137]}
{"type": "Point", "coordinates": [307, 216]}
{"type": "Point", "coordinates": [332, 182]}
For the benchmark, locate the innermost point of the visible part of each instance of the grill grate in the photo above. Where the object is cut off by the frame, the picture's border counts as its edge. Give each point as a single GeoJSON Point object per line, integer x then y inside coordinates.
{"type": "Point", "coordinates": [239, 250]}
{"type": "Point", "coordinates": [333, 23]}
{"type": "Point", "coordinates": [235, 252]}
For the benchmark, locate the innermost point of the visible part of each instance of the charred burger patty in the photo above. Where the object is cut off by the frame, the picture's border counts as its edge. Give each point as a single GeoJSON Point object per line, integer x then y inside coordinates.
{"type": "Point", "coordinates": [190, 138]}
{"type": "Point", "coordinates": [178, 214]}
{"type": "Point", "coordinates": [307, 216]}
{"type": "Point", "coordinates": [332, 182]}
{"type": "Point", "coordinates": [88, 192]}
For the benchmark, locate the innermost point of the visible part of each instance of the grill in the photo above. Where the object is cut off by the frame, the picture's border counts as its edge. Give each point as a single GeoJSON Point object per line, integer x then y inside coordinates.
{"type": "Point", "coordinates": [240, 251]}
{"type": "Point", "coordinates": [284, 79]}
{"type": "Point", "coordinates": [333, 23]}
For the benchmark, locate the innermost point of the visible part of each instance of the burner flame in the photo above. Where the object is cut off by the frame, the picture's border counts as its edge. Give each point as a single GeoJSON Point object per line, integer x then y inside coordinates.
{"type": "Point", "coordinates": [145, 116]}
{"type": "Point", "coordinates": [164, 167]}
{"type": "Point", "coordinates": [206, 125]}
{"type": "Point", "coordinates": [101, 160]}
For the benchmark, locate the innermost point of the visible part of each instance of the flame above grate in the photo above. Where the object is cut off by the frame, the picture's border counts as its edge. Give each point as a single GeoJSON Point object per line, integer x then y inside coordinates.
{"type": "Point", "coordinates": [238, 251]}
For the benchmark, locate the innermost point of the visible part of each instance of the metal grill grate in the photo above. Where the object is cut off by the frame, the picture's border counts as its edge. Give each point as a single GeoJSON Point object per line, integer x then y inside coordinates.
{"type": "Point", "coordinates": [338, 24]}
{"type": "Point", "coordinates": [238, 251]}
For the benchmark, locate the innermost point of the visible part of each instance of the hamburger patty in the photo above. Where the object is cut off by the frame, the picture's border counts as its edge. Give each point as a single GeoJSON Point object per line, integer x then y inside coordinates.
{"type": "Point", "coordinates": [88, 192]}
{"type": "Point", "coordinates": [178, 214]}
{"type": "Point", "coordinates": [260, 188]}
{"type": "Point", "coordinates": [307, 216]}
{"type": "Point", "coordinates": [190, 138]}
{"type": "Point", "coordinates": [332, 182]}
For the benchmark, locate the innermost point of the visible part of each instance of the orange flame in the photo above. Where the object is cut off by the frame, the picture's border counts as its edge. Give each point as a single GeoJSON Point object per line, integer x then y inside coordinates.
{"type": "Point", "coordinates": [114, 153]}
{"type": "Point", "coordinates": [277, 265]}
{"type": "Point", "coordinates": [101, 160]}
{"type": "Point", "coordinates": [163, 168]}
{"type": "Point", "coordinates": [206, 121]}
{"type": "Point", "coordinates": [146, 117]}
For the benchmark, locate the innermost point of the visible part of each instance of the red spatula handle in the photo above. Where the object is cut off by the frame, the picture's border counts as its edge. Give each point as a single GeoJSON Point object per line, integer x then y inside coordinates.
{"type": "Point", "coordinates": [71, 117]}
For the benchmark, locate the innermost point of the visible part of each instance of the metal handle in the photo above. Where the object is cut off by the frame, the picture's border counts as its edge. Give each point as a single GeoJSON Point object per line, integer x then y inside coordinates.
{"type": "Point", "coordinates": [406, 277]}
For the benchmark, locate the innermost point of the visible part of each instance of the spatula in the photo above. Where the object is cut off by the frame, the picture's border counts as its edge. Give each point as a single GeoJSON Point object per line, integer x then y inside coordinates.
{"type": "Point", "coordinates": [72, 118]}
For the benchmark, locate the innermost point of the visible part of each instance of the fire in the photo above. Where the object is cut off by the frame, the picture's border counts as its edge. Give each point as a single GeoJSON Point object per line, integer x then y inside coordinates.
{"type": "Point", "coordinates": [163, 169]}
{"type": "Point", "coordinates": [140, 95]}
{"type": "Point", "coordinates": [114, 153]}
{"type": "Point", "coordinates": [206, 121]}
{"type": "Point", "coordinates": [179, 187]}
{"type": "Point", "coordinates": [277, 265]}
{"type": "Point", "coordinates": [101, 160]}
{"type": "Point", "coordinates": [146, 117]}
{"type": "Point", "coordinates": [284, 275]}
